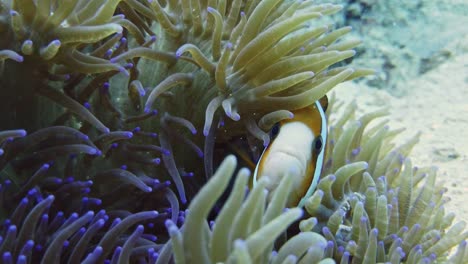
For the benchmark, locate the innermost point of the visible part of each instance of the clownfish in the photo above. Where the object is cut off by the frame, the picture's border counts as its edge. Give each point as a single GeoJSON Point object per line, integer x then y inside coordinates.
{"type": "Point", "coordinates": [296, 144]}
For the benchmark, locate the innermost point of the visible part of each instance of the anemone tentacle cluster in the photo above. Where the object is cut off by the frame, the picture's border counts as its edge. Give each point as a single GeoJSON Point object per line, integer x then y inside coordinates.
{"type": "Point", "coordinates": [398, 217]}
{"type": "Point", "coordinates": [114, 116]}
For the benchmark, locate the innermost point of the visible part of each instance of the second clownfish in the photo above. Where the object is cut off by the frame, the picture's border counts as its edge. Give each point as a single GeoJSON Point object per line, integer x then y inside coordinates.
{"type": "Point", "coordinates": [297, 144]}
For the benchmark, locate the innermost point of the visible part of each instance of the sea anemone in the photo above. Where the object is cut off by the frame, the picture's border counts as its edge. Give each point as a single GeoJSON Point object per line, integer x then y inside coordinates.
{"type": "Point", "coordinates": [97, 167]}
{"type": "Point", "coordinates": [396, 217]}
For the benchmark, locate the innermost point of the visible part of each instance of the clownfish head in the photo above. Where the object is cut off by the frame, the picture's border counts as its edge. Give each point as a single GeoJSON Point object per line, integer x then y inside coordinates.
{"type": "Point", "coordinates": [297, 145]}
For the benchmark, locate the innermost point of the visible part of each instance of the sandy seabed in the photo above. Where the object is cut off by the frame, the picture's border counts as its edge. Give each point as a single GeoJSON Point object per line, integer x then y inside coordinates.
{"type": "Point", "coordinates": [436, 104]}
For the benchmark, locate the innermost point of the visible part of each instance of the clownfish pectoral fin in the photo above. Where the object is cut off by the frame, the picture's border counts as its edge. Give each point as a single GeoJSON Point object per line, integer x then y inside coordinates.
{"type": "Point", "coordinates": [243, 155]}
{"type": "Point", "coordinates": [324, 103]}
{"type": "Point", "coordinates": [257, 168]}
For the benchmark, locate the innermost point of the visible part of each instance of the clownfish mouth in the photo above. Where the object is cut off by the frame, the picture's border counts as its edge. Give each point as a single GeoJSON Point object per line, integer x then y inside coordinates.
{"type": "Point", "coordinates": [294, 161]}
{"type": "Point", "coordinates": [282, 162]}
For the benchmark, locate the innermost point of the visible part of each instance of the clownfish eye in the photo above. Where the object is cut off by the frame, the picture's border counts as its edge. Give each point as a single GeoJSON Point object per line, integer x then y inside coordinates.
{"type": "Point", "coordinates": [317, 145]}
{"type": "Point", "coordinates": [274, 131]}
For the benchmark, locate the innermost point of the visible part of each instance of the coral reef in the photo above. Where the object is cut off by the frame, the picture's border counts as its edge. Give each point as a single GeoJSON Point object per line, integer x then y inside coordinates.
{"type": "Point", "coordinates": [399, 42]}
{"type": "Point", "coordinates": [96, 167]}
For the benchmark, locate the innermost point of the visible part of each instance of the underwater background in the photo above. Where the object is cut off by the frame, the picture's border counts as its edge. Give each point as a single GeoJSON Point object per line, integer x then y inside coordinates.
{"type": "Point", "coordinates": [420, 51]}
{"type": "Point", "coordinates": [119, 118]}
